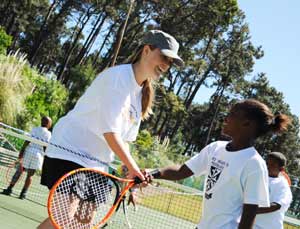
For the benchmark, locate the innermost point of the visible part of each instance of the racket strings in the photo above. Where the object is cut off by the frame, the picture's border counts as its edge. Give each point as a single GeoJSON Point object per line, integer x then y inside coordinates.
{"type": "Point", "coordinates": [82, 200]}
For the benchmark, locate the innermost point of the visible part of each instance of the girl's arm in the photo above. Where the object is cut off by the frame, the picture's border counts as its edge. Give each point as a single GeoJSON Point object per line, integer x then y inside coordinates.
{"type": "Point", "coordinates": [273, 207]}
{"type": "Point", "coordinates": [248, 216]}
{"type": "Point", "coordinates": [121, 149]}
{"type": "Point", "coordinates": [175, 172]}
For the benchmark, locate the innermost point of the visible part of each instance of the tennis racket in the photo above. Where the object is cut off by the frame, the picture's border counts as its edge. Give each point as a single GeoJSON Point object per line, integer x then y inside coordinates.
{"type": "Point", "coordinates": [14, 172]}
{"type": "Point", "coordinates": [86, 198]}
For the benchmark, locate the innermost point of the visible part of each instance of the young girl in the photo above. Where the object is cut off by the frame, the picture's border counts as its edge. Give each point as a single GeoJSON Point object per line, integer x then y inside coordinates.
{"type": "Point", "coordinates": [236, 175]}
{"type": "Point", "coordinates": [280, 194]}
{"type": "Point", "coordinates": [108, 114]}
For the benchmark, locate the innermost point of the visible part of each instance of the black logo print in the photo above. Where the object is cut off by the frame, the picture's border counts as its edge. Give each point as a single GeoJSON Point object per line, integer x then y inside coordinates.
{"type": "Point", "coordinates": [213, 177]}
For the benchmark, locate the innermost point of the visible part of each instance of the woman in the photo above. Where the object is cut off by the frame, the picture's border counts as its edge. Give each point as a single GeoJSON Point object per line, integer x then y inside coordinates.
{"type": "Point", "coordinates": [236, 175]}
{"type": "Point", "coordinates": [108, 114]}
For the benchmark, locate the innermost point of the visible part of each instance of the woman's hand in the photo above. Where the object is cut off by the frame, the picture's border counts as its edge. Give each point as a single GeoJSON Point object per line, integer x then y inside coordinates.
{"type": "Point", "coordinates": [133, 173]}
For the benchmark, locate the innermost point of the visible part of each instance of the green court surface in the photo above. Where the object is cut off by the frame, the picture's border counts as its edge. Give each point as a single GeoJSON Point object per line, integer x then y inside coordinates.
{"type": "Point", "coordinates": [28, 213]}
{"type": "Point", "coordinates": [16, 213]}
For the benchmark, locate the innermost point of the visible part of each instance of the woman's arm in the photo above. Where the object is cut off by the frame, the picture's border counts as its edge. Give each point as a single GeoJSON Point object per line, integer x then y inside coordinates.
{"type": "Point", "coordinates": [248, 216]}
{"type": "Point", "coordinates": [121, 149]}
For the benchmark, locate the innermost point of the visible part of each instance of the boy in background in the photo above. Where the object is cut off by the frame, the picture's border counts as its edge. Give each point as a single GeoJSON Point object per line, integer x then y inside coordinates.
{"type": "Point", "coordinates": [280, 194]}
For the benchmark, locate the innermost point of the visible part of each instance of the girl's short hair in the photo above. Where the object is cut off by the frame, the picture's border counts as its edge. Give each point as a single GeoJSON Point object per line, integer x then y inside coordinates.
{"type": "Point", "coordinates": [279, 157]}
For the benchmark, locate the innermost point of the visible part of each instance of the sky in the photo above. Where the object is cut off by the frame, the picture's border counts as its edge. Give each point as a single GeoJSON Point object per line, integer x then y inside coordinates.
{"type": "Point", "coordinates": [274, 24]}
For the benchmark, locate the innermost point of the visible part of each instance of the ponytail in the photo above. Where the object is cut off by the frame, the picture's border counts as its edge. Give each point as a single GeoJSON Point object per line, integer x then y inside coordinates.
{"type": "Point", "coordinates": [265, 119]}
{"type": "Point", "coordinates": [147, 99]}
{"type": "Point", "coordinates": [147, 91]}
{"type": "Point", "coordinates": [280, 123]}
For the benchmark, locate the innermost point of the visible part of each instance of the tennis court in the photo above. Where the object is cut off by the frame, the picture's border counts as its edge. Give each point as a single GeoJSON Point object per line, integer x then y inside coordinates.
{"type": "Point", "coordinates": [163, 205]}
{"type": "Point", "coordinates": [28, 213]}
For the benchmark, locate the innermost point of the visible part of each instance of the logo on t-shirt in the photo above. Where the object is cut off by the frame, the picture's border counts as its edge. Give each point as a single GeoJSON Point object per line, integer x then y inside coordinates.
{"type": "Point", "coordinates": [130, 114]}
{"type": "Point", "coordinates": [133, 114]}
{"type": "Point", "coordinates": [216, 169]}
{"type": "Point", "coordinates": [213, 177]}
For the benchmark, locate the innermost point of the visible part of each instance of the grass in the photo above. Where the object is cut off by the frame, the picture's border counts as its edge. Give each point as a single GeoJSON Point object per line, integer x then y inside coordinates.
{"type": "Point", "coordinates": [174, 204]}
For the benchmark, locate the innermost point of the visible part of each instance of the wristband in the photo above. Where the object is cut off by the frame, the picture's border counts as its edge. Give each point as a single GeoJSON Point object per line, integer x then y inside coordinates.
{"type": "Point", "coordinates": [156, 173]}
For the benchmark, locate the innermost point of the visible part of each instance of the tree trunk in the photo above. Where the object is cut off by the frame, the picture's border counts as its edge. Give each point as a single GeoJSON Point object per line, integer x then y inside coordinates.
{"type": "Point", "coordinates": [216, 106]}
{"type": "Point", "coordinates": [68, 56]}
{"type": "Point", "coordinates": [102, 45]}
{"type": "Point", "coordinates": [91, 38]}
{"type": "Point", "coordinates": [121, 34]}
{"type": "Point", "coordinates": [46, 29]}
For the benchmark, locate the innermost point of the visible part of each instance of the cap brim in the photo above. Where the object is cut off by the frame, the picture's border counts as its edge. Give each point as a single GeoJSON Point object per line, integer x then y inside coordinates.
{"type": "Point", "coordinates": [177, 60]}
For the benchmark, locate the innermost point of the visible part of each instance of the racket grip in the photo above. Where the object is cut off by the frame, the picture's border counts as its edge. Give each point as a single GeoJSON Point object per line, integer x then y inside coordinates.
{"type": "Point", "coordinates": [155, 173]}
{"type": "Point", "coordinates": [137, 180]}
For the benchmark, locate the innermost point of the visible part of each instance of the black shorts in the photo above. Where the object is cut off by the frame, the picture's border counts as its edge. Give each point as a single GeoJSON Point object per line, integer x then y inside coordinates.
{"type": "Point", "coordinates": [85, 188]}
{"type": "Point", "coordinates": [83, 185]}
{"type": "Point", "coordinates": [54, 168]}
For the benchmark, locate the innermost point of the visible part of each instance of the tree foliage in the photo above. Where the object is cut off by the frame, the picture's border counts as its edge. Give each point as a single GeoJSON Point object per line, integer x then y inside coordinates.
{"type": "Point", "coordinates": [5, 41]}
{"type": "Point", "coordinates": [73, 40]}
{"type": "Point", "coordinates": [48, 97]}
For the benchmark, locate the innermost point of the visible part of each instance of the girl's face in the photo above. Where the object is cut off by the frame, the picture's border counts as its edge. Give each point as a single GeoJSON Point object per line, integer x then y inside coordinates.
{"type": "Point", "coordinates": [155, 63]}
{"type": "Point", "coordinates": [235, 123]}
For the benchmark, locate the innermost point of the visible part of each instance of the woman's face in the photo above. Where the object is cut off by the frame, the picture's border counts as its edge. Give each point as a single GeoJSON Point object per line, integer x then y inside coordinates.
{"type": "Point", "coordinates": [155, 63]}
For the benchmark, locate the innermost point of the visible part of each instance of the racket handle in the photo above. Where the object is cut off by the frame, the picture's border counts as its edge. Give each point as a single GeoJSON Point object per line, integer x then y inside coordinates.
{"type": "Point", "coordinates": [137, 180]}
{"type": "Point", "coordinates": [155, 173]}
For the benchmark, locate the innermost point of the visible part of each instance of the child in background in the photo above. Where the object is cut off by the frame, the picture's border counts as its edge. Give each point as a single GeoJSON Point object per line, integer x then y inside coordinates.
{"type": "Point", "coordinates": [132, 198]}
{"type": "Point", "coordinates": [31, 157]}
{"type": "Point", "coordinates": [280, 194]}
{"type": "Point", "coordinates": [236, 175]}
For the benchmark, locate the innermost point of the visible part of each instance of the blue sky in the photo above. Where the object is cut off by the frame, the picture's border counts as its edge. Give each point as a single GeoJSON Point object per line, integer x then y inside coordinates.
{"type": "Point", "coordinates": [275, 26]}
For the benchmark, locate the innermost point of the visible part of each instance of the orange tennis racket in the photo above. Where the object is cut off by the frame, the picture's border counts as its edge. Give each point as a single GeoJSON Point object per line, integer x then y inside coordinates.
{"type": "Point", "coordinates": [86, 198]}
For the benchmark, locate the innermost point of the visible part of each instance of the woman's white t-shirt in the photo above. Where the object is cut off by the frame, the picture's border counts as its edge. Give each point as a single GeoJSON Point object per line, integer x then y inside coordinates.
{"type": "Point", "coordinates": [111, 104]}
{"type": "Point", "coordinates": [280, 193]}
{"type": "Point", "coordinates": [232, 179]}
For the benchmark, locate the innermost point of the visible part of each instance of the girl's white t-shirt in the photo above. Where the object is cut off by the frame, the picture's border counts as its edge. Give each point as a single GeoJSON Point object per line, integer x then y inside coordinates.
{"type": "Point", "coordinates": [111, 104]}
{"type": "Point", "coordinates": [231, 180]}
{"type": "Point", "coordinates": [280, 193]}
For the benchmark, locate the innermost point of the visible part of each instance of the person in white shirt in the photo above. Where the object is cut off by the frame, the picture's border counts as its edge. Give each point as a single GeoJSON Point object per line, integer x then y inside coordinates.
{"type": "Point", "coordinates": [280, 195]}
{"type": "Point", "coordinates": [236, 175]}
{"type": "Point", "coordinates": [108, 114]}
{"type": "Point", "coordinates": [31, 157]}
